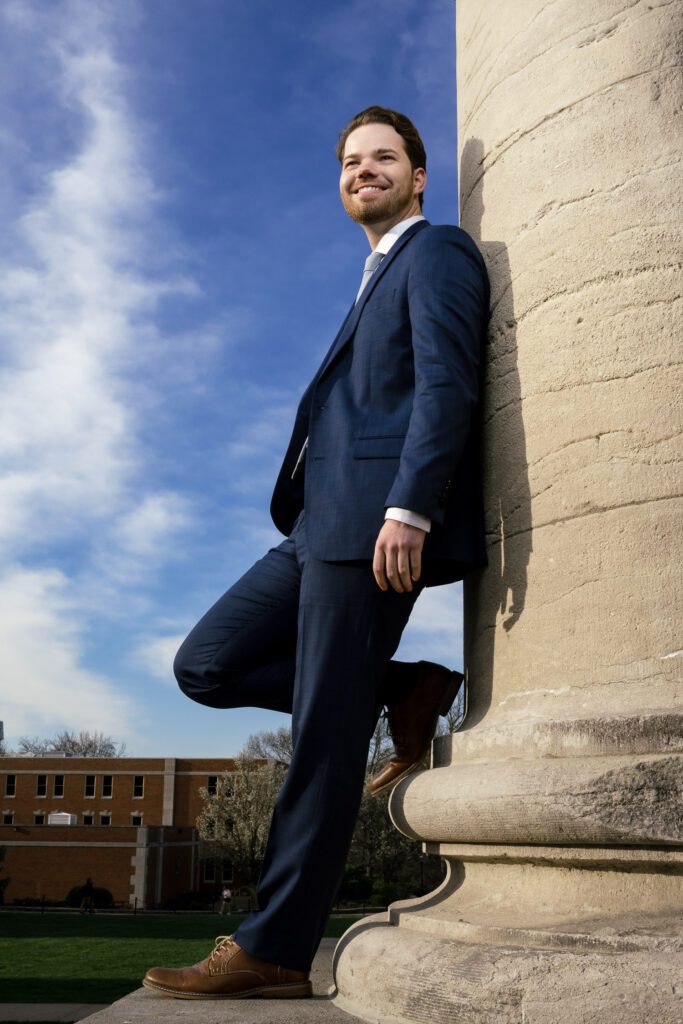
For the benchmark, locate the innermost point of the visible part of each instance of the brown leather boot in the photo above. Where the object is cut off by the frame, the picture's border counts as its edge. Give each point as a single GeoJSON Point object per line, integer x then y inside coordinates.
{"type": "Point", "coordinates": [412, 722]}
{"type": "Point", "coordinates": [228, 972]}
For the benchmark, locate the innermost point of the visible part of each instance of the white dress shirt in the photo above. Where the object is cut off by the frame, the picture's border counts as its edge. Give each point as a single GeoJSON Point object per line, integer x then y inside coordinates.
{"type": "Point", "coordinates": [402, 515]}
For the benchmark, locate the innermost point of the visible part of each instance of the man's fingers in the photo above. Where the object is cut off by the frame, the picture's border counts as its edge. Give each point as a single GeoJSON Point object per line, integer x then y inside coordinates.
{"type": "Point", "coordinates": [403, 563]}
{"type": "Point", "coordinates": [378, 568]}
{"type": "Point", "coordinates": [392, 570]}
{"type": "Point", "coordinates": [416, 564]}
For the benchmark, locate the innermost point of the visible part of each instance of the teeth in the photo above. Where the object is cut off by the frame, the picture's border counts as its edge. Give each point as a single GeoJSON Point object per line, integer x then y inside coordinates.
{"type": "Point", "coordinates": [370, 188]}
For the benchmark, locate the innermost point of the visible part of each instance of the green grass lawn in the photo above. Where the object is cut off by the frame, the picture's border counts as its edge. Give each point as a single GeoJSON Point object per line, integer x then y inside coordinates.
{"type": "Point", "coordinates": [73, 958]}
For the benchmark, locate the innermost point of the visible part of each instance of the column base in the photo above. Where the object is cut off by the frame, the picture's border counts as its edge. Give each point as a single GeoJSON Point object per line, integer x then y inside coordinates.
{"type": "Point", "coordinates": [525, 935]}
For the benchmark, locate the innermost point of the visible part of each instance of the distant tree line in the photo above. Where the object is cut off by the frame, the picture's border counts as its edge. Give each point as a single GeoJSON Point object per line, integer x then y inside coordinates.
{"type": "Point", "coordinates": [78, 744]}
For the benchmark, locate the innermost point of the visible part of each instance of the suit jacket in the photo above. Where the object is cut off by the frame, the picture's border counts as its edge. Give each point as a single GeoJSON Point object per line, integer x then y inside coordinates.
{"type": "Point", "coordinates": [392, 413]}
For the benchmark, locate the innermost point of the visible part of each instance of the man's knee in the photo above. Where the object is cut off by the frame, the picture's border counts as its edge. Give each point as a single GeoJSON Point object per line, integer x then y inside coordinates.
{"type": "Point", "coordinates": [193, 678]}
{"type": "Point", "coordinates": [202, 681]}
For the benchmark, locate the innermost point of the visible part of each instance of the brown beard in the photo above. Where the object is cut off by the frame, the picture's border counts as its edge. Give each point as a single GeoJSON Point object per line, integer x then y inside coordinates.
{"type": "Point", "coordinates": [383, 208]}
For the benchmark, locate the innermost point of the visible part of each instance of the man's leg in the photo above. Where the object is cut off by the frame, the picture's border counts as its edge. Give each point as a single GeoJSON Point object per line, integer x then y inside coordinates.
{"type": "Point", "coordinates": [348, 630]}
{"type": "Point", "coordinates": [242, 651]}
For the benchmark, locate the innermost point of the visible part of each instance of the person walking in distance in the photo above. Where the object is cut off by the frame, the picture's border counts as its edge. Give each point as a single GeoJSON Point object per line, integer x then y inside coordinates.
{"type": "Point", "coordinates": [88, 898]}
{"type": "Point", "coordinates": [378, 496]}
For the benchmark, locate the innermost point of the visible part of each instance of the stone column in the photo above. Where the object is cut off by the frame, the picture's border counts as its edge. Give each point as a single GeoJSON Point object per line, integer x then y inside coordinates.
{"type": "Point", "coordinates": [558, 808]}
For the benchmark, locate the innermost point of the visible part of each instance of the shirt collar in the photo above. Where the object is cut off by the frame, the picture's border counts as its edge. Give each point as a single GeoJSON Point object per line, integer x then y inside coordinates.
{"type": "Point", "coordinates": [393, 234]}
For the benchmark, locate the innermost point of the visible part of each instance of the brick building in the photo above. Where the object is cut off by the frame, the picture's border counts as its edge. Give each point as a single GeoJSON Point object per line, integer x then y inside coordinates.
{"type": "Point", "coordinates": [129, 823]}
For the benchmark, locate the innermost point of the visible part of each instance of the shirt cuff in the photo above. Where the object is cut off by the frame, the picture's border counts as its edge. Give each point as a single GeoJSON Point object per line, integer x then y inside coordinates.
{"type": "Point", "coordinates": [404, 515]}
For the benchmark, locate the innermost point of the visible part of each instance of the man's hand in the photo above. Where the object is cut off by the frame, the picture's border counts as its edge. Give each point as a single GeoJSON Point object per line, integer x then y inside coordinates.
{"type": "Point", "coordinates": [398, 556]}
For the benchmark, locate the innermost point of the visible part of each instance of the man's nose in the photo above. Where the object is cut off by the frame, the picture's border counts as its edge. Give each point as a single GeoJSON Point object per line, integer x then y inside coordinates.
{"type": "Point", "coordinates": [366, 168]}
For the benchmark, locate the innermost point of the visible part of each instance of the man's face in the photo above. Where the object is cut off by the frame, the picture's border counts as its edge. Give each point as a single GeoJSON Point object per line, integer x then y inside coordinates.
{"type": "Point", "coordinates": [378, 184]}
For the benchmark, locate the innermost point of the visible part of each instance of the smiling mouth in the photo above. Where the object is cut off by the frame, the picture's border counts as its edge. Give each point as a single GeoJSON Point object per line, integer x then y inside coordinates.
{"type": "Point", "coordinates": [369, 189]}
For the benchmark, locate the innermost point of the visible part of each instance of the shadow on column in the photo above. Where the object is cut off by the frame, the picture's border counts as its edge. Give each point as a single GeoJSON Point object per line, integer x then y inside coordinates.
{"type": "Point", "coordinates": [500, 590]}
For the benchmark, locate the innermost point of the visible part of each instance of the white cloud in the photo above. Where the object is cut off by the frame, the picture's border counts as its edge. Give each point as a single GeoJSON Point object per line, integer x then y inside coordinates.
{"type": "Point", "coordinates": [82, 275]}
{"type": "Point", "coordinates": [156, 653]}
{"type": "Point", "coordinates": [144, 532]}
{"type": "Point", "coordinates": [45, 687]}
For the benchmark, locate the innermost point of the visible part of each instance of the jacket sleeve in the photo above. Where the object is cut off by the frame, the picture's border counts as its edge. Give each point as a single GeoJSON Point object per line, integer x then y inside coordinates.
{"type": "Point", "coordinates": [448, 298]}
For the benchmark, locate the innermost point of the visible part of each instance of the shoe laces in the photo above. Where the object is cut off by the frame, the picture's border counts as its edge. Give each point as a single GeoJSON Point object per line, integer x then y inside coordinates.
{"type": "Point", "coordinates": [223, 944]}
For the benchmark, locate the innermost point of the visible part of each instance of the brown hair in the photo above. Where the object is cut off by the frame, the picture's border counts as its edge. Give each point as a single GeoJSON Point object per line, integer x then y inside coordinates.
{"type": "Point", "coordinates": [401, 124]}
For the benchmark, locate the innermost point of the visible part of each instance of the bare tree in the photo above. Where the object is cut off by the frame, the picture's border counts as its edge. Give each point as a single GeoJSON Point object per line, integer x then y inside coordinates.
{"type": "Point", "coordinates": [455, 719]}
{"type": "Point", "coordinates": [81, 744]}
{"type": "Point", "coordinates": [235, 820]}
{"type": "Point", "coordinates": [271, 745]}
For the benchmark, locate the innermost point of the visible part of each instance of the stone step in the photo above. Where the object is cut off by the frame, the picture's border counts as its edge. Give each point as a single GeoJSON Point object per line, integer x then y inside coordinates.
{"type": "Point", "coordinates": [145, 1007]}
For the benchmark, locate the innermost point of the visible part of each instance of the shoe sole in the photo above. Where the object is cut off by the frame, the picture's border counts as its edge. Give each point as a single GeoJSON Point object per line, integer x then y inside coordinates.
{"type": "Point", "coordinates": [399, 778]}
{"type": "Point", "coordinates": [296, 990]}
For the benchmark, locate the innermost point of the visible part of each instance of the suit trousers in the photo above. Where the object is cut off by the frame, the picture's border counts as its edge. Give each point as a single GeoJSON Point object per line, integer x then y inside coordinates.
{"type": "Point", "coordinates": [313, 638]}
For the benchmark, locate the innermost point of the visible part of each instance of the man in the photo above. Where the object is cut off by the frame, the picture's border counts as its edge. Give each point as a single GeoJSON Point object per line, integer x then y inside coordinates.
{"type": "Point", "coordinates": [88, 900]}
{"type": "Point", "coordinates": [378, 496]}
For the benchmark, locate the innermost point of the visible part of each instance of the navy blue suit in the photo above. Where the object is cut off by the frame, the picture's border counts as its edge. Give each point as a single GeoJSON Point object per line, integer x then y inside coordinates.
{"type": "Point", "coordinates": [392, 420]}
{"type": "Point", "coordinates": [391, 413]}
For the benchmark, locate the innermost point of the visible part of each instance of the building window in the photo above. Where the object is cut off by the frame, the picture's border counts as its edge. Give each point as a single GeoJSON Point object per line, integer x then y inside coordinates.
{"type": "Point", "coordinates": [89, 818]}
{"type": "Point", "coordinates": [138, 785]}
{"type": "Point", "coordinates": [41, 785]}
{"type": "Point", "coordinates": [136, 820]}
{"type": "Point", "coordinates": [89, 786]}
{"type": "Point", "coordinates": [226, 870]}
{"type": "Point", "coordinates": [107, 785]}
{"type": "Point", "coordinates": [212, 785]}
{"type": "Point", "coordinates": [8, 818]}
{"type": "Point", "coordinates": [10, 785]}
{"type": "Point", "coordinates": [38, 818]}
{"type": "Point", "coordinates": [105, 818]}
{"type": "Point", "coordinates": [210, 870]}
{"type": "Point", "coordinates": [58, 788]}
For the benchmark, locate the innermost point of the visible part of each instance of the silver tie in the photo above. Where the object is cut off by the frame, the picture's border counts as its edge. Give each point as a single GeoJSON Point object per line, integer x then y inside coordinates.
{"type": "Point", "coordinates": [371, 265]}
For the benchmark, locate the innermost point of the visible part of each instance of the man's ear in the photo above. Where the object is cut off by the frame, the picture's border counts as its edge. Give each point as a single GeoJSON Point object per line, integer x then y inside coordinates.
{"type": "Point", "coordinates": [419, 179]}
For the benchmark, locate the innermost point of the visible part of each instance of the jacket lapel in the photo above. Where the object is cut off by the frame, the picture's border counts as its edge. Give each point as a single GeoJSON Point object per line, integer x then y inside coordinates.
{"type": "Point", "coordinates": [348, 327]}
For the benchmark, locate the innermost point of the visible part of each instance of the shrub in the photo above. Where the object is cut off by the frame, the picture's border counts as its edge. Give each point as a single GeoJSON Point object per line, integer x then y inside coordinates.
{"type": "Point", "coordinates": [356, 887]}
{"type": "Point", "coordinates": [102, 898]}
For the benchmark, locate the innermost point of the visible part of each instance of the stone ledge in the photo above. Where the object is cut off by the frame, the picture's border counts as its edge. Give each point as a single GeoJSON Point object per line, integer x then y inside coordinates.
{"type": "Point", "coordinates": [144, 1007]}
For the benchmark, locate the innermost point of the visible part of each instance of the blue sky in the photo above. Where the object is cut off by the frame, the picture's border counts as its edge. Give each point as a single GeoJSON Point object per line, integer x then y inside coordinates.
{"type": "Point", "coordinates": [175, 261]}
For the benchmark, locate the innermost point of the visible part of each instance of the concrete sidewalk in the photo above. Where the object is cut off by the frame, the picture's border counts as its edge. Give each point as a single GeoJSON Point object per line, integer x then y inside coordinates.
{"type": "Point", "coordinates": [145, 1007]}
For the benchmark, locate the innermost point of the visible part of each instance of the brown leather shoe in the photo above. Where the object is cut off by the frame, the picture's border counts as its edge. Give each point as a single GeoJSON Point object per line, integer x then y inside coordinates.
{"type": "Point", "coordinates": [229, 972]}
{"type": "Point", "coordinates": [412, 722]}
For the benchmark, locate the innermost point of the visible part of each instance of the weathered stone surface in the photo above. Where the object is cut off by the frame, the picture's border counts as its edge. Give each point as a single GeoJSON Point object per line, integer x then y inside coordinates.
{"type": "Point", "coordinates": [571, 172]}
{"type": "Point", "coordinates": [658, 732]}
{"type": "Point", "coordinates": [559, 808]}
{"type": "Point", "coordinates": [573, 800]}
{"type": "Point", "coordinates": [435, 979]}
